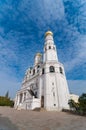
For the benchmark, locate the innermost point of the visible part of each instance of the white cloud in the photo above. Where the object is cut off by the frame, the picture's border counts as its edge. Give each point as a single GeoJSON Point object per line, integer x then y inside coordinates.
{"type": "Point", "coordinates": [80, 55]}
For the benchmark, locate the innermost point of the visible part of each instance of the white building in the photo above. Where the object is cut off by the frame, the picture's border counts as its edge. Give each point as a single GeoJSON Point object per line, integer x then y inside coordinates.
{"type": "Point", "coordinates": [74, 97]}
{"type": "Point", "coordinates": [44, 85]}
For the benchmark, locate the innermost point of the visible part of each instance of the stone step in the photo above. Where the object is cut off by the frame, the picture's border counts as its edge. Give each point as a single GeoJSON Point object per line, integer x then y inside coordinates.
{"type": "Point", "coordinates": [39, 109]}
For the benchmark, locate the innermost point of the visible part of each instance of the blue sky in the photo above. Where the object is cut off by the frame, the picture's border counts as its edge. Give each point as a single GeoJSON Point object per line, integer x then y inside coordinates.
{"type": "Point", "coordinates": [23, 24]}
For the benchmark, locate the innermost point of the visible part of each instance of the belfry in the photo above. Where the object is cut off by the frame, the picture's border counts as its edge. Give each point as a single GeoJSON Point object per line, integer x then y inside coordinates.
{"type": "Point", "coordinates": [44, 85]}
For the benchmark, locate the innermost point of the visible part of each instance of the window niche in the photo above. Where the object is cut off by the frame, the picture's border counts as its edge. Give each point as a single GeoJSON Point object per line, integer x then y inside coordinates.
{"type": "Point", "coordinates": [51, 69]}
{"type": "Point", "coordinates": [36, 94]}
{"type": "Point", "coordinates": [61, 70]}
{"type": "Point", "coordinates": [38, 66]}
{"type": "Point", "coordinates": [21, 95]}
{"type": "Point", "coordinates": [43, 71]}
{"type": "Point", "coordinates": [33, 71]}
{"type": "Point", "coordinates": [30, 71]}
{"type": "Point", "coordinates": [49, 47]}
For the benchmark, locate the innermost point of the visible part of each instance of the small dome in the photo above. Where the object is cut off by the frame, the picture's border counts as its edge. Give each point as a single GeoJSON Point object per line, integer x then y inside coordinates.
{"type": "Point", "coordinates": [38, 54]}
{"type": "Point", "coordinates": [48, 33]}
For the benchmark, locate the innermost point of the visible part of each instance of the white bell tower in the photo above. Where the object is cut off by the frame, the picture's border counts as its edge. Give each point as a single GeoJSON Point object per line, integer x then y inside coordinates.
{"type": "Point", "coordinates": [50, 53]}
{"type": "Point", "coordinates": [56, 93]}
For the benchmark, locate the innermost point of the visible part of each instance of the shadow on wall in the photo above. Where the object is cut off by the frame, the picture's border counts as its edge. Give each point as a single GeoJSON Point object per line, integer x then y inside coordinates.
{"type": "Point", "coordinates": [6, 124]}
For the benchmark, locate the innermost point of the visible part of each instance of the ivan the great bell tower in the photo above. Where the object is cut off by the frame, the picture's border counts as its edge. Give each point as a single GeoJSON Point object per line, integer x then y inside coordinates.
{"type": "Point", "coordinates": [56, 93]}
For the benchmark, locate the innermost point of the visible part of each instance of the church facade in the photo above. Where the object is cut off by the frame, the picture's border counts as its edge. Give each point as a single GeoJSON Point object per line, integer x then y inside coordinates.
{"type": "Point", "coordinates": [44, 85]}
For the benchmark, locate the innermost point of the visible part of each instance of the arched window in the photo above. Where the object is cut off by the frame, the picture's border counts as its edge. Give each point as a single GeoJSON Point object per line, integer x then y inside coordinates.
{"type": "Point", "coordinates": [49, 47]}
{"type": "Point", "coordinates": [43, 71]}
{"type": "Point", "coordinates": [36, 94]}
{"type": "Point", "coordinates": [52, 69]}
{"type": "Point", "coordinates": [61, 71]}
{"type": "Point", "coordinates": [38, 66]}
{"type": "Point", "coordinates": [21, 95]}
{"type": "Point", "coordinates": [33, 71]}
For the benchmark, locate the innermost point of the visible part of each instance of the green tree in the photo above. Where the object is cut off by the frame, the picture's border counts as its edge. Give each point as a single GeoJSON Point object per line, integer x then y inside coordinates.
{"type": "Point", "coordinates": [82, 103]}
{"type": "Point", "coordinates": [73, 105]}
{"type": "Point", "coordinates": [4, 101]}
{"type": "Point", "coordinates": [7, 94]}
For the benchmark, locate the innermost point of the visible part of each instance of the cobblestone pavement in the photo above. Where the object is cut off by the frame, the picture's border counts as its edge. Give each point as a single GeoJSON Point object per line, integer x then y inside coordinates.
{"type": "Point", "coordinates": [11, 119]}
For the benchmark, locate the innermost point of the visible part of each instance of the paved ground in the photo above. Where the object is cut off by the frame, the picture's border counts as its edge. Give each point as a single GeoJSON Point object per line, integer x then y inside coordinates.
{"type": "Point", "coordinates": [11, 119]}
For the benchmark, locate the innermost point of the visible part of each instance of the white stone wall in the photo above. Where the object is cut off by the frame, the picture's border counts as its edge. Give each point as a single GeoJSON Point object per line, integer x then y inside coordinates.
{"type": "Point", "coordinates": [55, 90]}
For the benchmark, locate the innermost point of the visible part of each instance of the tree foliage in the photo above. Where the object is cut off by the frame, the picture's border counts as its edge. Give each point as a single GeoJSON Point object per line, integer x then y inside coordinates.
{"type": "Point", "coordinates": [7, 94]}
{"type": "Point", "coordinates": [82, 103]}
{"type": "Point", "coordinates": [4, 101]}
{"type": "Point", "coordinates": [79, 107]}
{"type": "Point", "coordinates": [73, 105]}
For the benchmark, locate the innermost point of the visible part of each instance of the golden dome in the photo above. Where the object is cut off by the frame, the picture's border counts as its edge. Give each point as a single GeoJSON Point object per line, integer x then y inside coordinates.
{"type": "Point", "coordinates": [48, 33]}
{"type": "Point", "coordinates": [38, 54]}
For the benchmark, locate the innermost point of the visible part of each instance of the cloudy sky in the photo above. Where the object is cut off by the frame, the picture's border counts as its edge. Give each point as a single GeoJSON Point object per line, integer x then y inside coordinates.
{"type": "Point", "coordinates": [23, 24]}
